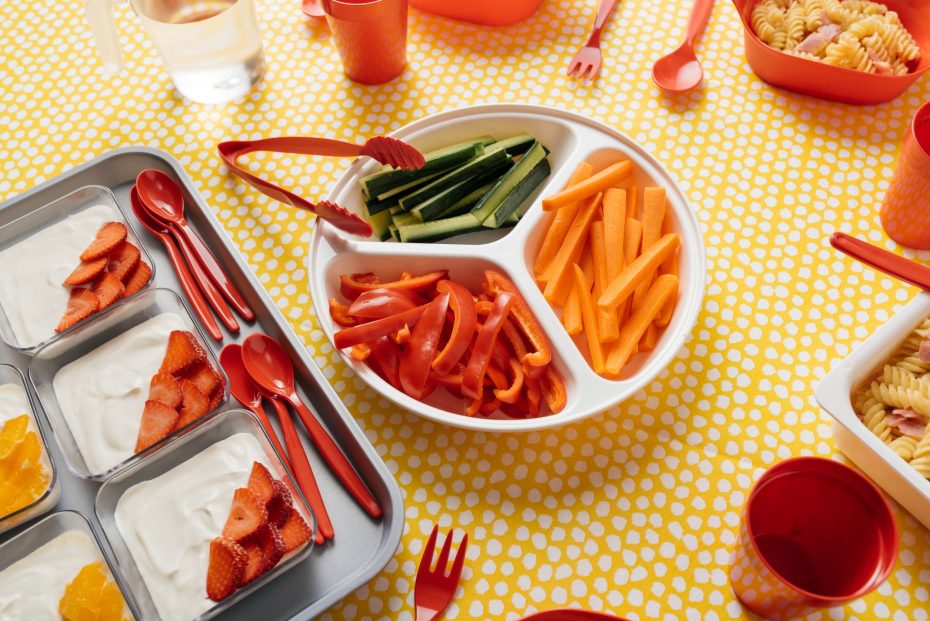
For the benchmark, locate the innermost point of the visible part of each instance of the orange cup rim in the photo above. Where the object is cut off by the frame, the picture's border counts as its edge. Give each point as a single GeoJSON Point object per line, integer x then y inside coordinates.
{"type": "Point", "coordinates": [774, 472]}
{"type": "Point", "coordinates": [921, 116]}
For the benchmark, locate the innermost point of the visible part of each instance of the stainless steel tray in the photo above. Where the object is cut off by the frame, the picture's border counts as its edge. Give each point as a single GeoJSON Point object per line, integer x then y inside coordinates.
{"type": "Point", "coordinates": [362, 546]}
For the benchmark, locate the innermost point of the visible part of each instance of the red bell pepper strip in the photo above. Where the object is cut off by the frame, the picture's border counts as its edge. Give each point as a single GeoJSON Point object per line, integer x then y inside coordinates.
{"type": "Point", "coordinates": [533, 397]}
{"type": "Point", "coordinates": [453, 379]}
{"type": "Point", "coordinates": [417, 357]}
{"type": "Point", "coordinates": [496, 283]}
{"type": "Point", "coordinates": [361, 352]}
{"type": "Point", "coordinates": [352, 287]}
{"type": "Point", "coordinates": [340, 314]}
{"type": "Point", "coordinates": [553, 390]}
{"type": "Point", "coordinates": [367, 332]}
{"type": "Point", "coordinates": [483, 350]}
{"type": "Point", "coordinates": [378, 303]}
{"type": "Point", "coordinates": [385, 354]}
{"type": "Point", "coordinates": [512, 393]}
{"type": "Point", "coordinates": [402, 336]}
{"type": "Point", "coordinates": [463, 327]}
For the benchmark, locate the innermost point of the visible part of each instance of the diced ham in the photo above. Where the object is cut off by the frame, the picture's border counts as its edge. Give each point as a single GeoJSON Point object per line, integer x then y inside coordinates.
{"type": "Point", "coordinates": [907, 422]}
{"type": "Point", "coordinates": [881, 68]}
{"type": "Point", "coordinates": [924, 351]}
{"type": "Point", "coordinates": [816, 41]}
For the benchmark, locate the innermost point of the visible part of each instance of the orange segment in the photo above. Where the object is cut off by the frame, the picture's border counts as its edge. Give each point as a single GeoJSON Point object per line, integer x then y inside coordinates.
{"type": "Point", "coordinates": [92, 596]}
{"type": "Point", "coordinates": [23, 476]}
{"type": "Point", "coordinates": [14, 430]}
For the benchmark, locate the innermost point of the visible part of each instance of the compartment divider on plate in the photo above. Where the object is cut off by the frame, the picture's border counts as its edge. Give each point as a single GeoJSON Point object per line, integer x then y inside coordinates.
{"type": "Point", "coordinates": [333, 570]}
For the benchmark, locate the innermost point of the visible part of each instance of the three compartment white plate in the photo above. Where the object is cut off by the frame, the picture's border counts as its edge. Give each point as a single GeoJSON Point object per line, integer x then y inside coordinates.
{"type": "Point", "coordinates": [571, 139]}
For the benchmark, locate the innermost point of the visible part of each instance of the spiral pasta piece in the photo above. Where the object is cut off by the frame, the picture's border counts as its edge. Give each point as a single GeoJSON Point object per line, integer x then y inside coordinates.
{"type": "Point", "coordinates": [900, 397]}
{"type": "Point", "coordinates": [794, 26]}
{"type": "Point", "coordinates": [813, 14]}
{"type": "Point", "coordinates": [873, 416]}
{"type": "Point", "coordinates": [904, 447]}
{"type": "Point", "coordinates": [920, 459]}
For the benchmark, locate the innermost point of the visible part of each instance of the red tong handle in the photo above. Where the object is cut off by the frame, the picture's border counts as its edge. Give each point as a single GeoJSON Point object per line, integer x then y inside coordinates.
{"type": "Point", "coordinates": [882, 260]}
{"type": "Point", "coordinates": [334, 214]}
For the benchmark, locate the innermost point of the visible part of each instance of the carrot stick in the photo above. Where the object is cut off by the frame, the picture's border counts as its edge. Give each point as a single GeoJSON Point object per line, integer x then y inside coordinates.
{"type": "Point", "coordinates": [557, 223]}
{"type": "Point", "coordinates": [645, 264]}
{"type": "Point", "coordinates": [631, 242]}
{"type": "Point", "coordinates": [648, 341]}
{"type": "Point", "coordinates": [599, 182]}
{"type": "Point", "coordinates": [653, 214]}
{"type": "Point", "coordinates": [571, 315]}
{"type": "Point", "coordinates": [608, 327]}
{"type": "Point", "coordinates": [657, 295]}
{"type": "Point", "coordinates": [665, 316]}
{"type": "Point", "coordinates": [589, 317]}
{"type": "Point", "coordinates": [631, 196]}
{"type": "Point", "coordinates": [558, 282]}
{"type": "Point", "coordinates": [614, 224]}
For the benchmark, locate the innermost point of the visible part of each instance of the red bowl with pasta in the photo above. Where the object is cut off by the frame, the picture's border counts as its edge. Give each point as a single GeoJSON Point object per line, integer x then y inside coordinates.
{"type": "Point", "coordinates": [811, 77]}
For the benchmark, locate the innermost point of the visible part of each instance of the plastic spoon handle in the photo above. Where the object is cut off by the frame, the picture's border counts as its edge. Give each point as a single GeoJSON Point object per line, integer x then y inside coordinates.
{"type": "Point", "coordinates": [700, 13]}
{"type": "Point", "coordinates": [302, 470]}
{"type": "Point", "coordinates": [336, 460]}
{"type": "Point", "coordinates": [266, 425]}
{"type": "Point", "coordinates": [214, 271]}
{"type": "Point", "coordinates": [201, 308]}
{"type": "Point", "coordinates": [882, 260]}
{"type": "Point", "coordinates": [206, 285]}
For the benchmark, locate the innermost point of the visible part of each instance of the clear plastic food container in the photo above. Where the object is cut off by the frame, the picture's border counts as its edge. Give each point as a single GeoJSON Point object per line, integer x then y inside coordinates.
{"type": "Point", "coordinates": [50, 528]}
{"type": "Point", "coordinates": [37, 220]}
{"type": "Point", "coordinates": [174, 453]}
{"type": "Point", "coordinates": [10, 376]}
{"type": "Point", "coordinates": [109, 324]}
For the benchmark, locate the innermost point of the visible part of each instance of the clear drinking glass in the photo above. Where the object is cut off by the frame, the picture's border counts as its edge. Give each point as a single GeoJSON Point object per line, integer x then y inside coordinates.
{"type": "Point", "coordinates": [212, 48]}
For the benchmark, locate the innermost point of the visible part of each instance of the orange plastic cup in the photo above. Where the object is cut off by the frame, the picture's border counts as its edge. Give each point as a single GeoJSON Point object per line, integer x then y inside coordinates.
{"type": "Point", "coordinates": [905, 210]}
{"type": "Point", "coordinates": [371, 36]}
{"type": "Point", "coordinates": [485, 12]}
{"type": "Point", "coordinates": [815, 534]}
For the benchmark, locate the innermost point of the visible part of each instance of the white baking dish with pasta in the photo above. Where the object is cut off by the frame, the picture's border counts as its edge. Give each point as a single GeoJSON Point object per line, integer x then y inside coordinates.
{"type": "Point", "coordinates": [879, 398]}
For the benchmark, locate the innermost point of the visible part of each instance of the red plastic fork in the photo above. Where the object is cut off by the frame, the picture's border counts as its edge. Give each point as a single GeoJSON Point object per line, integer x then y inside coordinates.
{"type": "Point", "coordinates": [588, 59]}
{"type": "Point", "coordinates": [434, 588]}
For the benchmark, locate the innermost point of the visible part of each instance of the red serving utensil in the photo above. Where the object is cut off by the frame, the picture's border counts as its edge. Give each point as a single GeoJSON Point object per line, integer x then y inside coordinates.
{"type": "Point", "coordinates": [384, 149]}
{"type": "Point", "coordinates": [434, 589]}
{"type": "Point", "coordinates": [163, 199]}
{"type": "Point", "coordinates": [248, 393]}
{"type": "Point", "coordinates": [882, 260]}
{"type": "Point", "coordinates": [271, 368]}
{"type": "Point", "coordinates": [188, 283]}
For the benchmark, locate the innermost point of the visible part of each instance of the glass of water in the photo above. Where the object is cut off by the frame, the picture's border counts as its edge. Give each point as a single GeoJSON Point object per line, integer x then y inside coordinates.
{"type": "Point", "coordinates": [212, 48]}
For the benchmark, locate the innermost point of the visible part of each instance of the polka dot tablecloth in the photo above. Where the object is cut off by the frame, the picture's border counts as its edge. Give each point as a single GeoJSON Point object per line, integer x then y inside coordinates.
{"type": "Point", "coordinates": [635, 510]}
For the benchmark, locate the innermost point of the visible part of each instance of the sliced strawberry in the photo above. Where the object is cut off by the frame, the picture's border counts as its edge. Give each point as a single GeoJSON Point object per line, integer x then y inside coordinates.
{"type": "Point", "coordinates": [82, 303]}
{"type": "Point", "coordinates": [295, 532]}
{"type": "Point", "coordinates": [255, 561]}
{"type": "Point", "coordinates": [261, 482]}
{"type": "Point", "coordinates": [138, 278]}
{"type": "Point", "coordinates": [245, 516]}
{"type": "Point", "coordinates": [215, 400]}
{"type": "Point", "coordinates": [110, 235]}
{"type": "Point", "coordinates": [182, 353]}
{"type": "Point", "coordinates": [165, 389]}
{"type": "Point", "coordinates": [226, 568]}
{"type": "Point", "coordinates": [123, 260]}
{"type": "Point", "coordinates": [204, 377]}
{"type": "Point", "coordinates": [158, 420]}
{"type": "Point", "coordinates": [269, 540]}
{"type": "Point", "coordinates": [194, 403]}
{"type": "Point", "coordinates": [86, 272]}
{"type": "Point", "coordinates": [281, 505]}
{"type": "Point", "coordinates": [108, 289]}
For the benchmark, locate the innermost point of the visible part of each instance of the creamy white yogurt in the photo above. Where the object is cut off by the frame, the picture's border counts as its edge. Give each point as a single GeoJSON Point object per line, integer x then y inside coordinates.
{"type": "Point", "coordinates": [31, 588]}
{"type": "Point", "coordinates": [32, 272]}
{"type": "Point", "coordinates": [102, 394]}
{"type": "Point", "coordinates": [168, 523]}
{"type": "Point", "coordinates": [13, 403]}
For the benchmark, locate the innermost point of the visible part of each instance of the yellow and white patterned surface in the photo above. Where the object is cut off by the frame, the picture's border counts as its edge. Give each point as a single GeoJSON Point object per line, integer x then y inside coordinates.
{"type": "Point", "coordinates": [635, 510]}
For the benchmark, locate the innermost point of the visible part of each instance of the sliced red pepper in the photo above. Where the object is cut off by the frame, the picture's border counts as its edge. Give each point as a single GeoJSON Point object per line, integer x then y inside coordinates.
{"type": "Point", "coordinates": [496, 283]}
{"type": "Point", "coordinates": [553, 390]}
{"type": "Point", "coordinates": [386, 355]}
{"type": "Point", "coordinates": [463, 326]}
{"type": "Point", "coordinates": [381, 302]}
{"type": "Point", "coordinates": [340, 314]}
{"type": "Point", "coordinates": [361, 351]}
{"type": "Point", "coordinates": [483, 349]}
{"type": "Point", "coordinates": [351, 287]}
{"type": "Point", "coordinates": [533, 397]}
{"type": "Point", "coordinates": [417, 357]}
{"type": "Point", "coordinates": [367, 332]}
{"type": "Point", "coordinates": [452, 379]}
{"type": "Point", "coordinates": [511, 394]}
{"type": "Point", "coordinates": [402, 336]}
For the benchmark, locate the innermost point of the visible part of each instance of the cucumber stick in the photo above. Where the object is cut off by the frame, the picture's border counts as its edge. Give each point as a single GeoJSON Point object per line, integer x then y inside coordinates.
{"type": "Point", "coordinates": [508, 183]}
{"type": "Point", "coordinates": [492, 158]}
{"type": "Point", "coordinates": [469, 201]}
{"type": "Point", "coordinates": [518, 195]}
{"type": "Point", "coordinates": [515, 145]}
{"type": "Point", "coordinates": [379, 224]}
{"type": "Point", "coordinates": [442, 202]}
{"type": "Point", "coordinates": [439, 229]}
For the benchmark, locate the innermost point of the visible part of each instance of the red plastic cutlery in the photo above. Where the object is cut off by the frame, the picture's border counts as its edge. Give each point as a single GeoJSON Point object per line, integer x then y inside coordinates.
{"type": "Point", "coordinates": [882, 260]}
{"type": "Point", "coordinates": [435, 588]}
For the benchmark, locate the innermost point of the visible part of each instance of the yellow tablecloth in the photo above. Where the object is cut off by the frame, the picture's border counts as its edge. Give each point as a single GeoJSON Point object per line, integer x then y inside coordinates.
{"type": "Point", "coordinates": [633, 511]}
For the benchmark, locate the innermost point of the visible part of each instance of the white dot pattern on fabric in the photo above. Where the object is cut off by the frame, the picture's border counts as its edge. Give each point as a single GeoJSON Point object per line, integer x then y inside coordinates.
{"type": "Point", "coordinates": [634, 511]}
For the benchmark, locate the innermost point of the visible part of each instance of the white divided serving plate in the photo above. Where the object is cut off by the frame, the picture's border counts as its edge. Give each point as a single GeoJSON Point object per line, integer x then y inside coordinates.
{"type": "Point", "coordinates": [853, 438]}
{"type": "Point", "coordinates": [571, 140]}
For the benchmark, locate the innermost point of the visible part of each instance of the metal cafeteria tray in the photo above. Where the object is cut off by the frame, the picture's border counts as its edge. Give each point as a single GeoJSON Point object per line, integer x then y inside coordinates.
{"type": "Point", "coordinates": [362, 546]}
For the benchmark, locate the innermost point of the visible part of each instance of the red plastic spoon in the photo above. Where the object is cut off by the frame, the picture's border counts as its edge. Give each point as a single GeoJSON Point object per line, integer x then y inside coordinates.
{"type": "Point", "coordinates": [681, 71]}
{"type": "Point", "coordinates": [250, 396]}
{"type": "Point", "coordinates": [162, 197]}
{"type": "Point", "coordinates": [271, 368]}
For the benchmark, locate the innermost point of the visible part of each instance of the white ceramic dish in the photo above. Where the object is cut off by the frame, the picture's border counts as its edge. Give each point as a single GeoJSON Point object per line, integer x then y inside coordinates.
{"type": "Point", "coordinates": [571, 139]}
{"type": "Point", "coordinates": [853, 438]}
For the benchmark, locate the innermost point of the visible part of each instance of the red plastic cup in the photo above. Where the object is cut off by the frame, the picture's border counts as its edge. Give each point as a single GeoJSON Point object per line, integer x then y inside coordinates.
{"type": "Point", "coordinates": [905, 209]}
{"type": "Point", "coordinates": [815, 534]}
{"type": "Point", "coordinates": [371, 36]}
